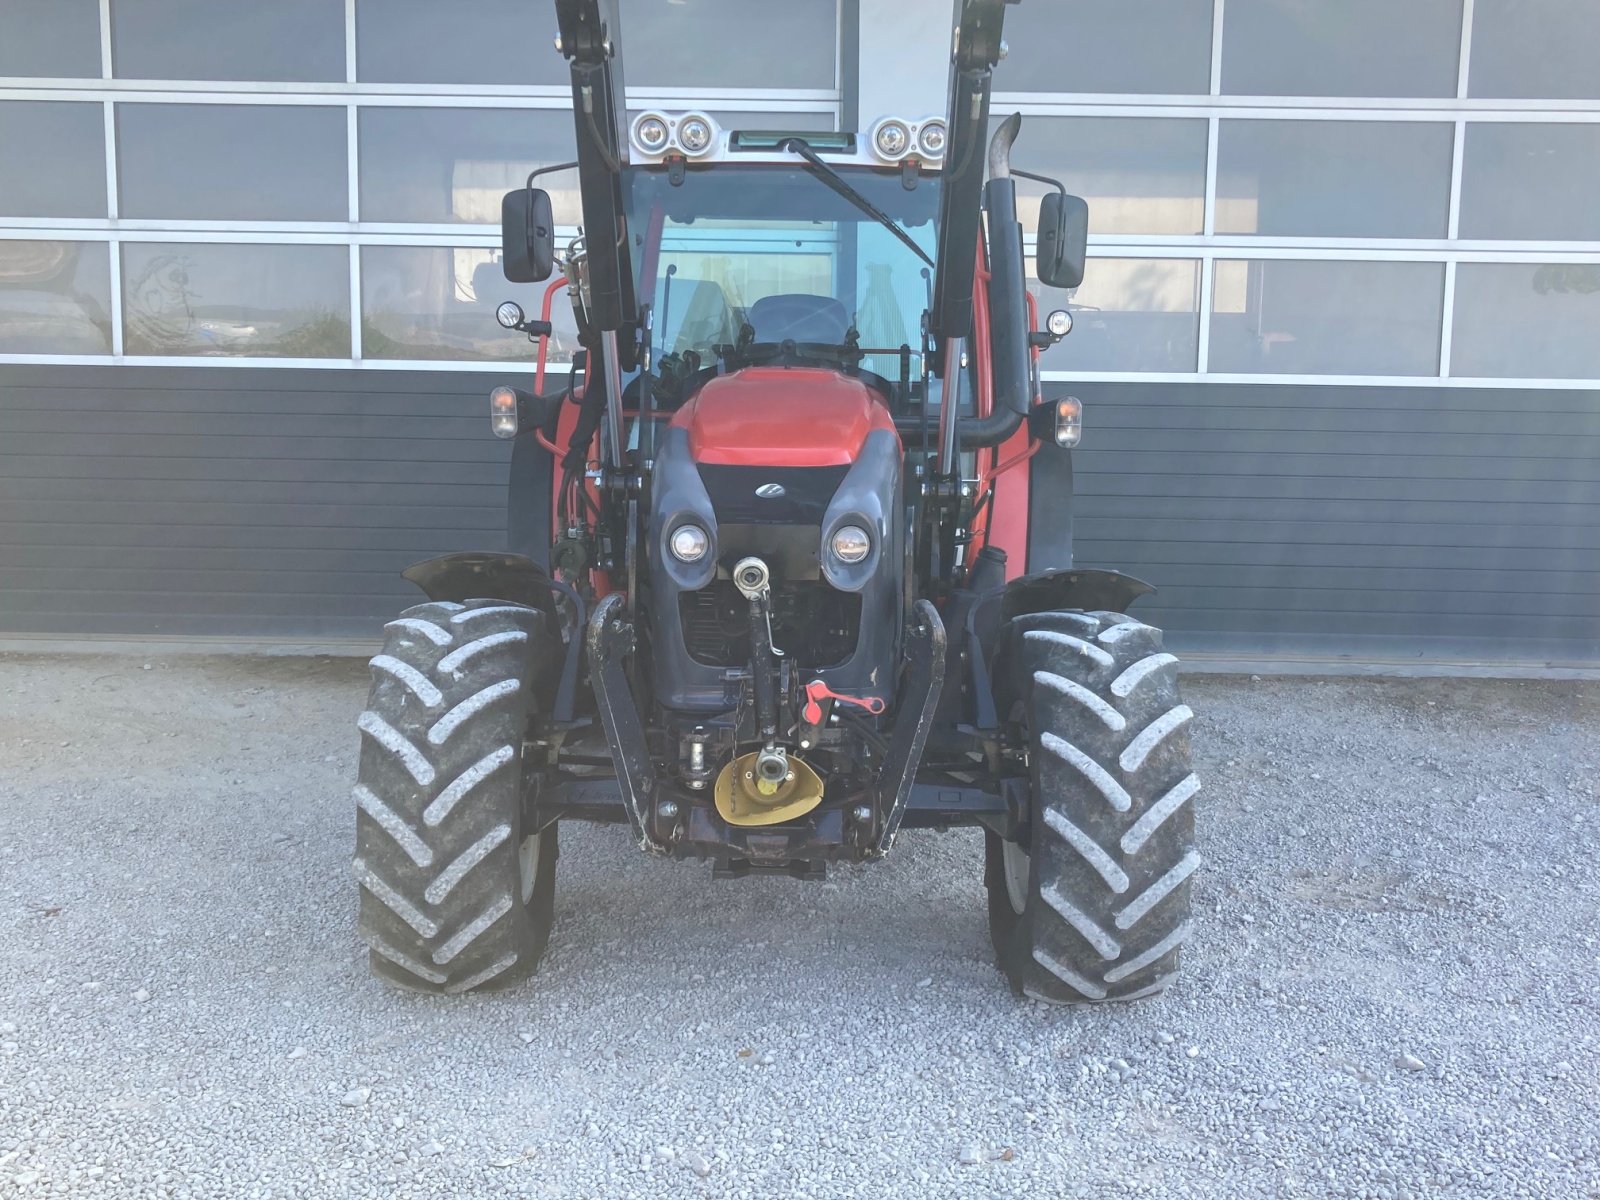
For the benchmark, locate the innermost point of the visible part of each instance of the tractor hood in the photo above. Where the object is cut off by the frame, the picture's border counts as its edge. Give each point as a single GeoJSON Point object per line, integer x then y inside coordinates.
{"type": "Point", "coordinates": [782, 417]}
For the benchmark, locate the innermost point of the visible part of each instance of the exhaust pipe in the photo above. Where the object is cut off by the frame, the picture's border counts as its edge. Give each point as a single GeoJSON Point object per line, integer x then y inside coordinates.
{"type": "Point", "coordinates": [1008, 279]}
{"type": "Point", "coordinates": [1005, 136]}
{"type": "Point", "coordinates": [1008, 308]}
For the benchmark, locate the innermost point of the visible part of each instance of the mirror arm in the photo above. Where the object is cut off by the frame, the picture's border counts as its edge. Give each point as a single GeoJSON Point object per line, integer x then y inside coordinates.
{"type": "Point", "coordinates": [1055, 183]}
{"type": "Point", "coordinates": [567, 166]}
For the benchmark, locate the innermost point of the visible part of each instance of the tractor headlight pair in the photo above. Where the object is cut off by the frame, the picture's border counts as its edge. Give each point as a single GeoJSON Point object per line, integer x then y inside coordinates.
{"type": "Point", "coordinates": [690, 543]}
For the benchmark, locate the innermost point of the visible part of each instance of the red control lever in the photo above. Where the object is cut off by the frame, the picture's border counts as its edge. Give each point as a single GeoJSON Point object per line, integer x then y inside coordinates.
{"type": "Point", "coordinates": [817, 691]}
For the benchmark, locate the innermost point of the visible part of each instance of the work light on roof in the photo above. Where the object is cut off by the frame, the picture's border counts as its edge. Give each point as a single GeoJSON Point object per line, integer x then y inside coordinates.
{"type": "Point", "coordinates": [656, 134]}
{"type": "Point", "coordinates": [896, 138]}
{"type": "Point", "coordinates": [891, 138]}
{"type": "Point", "coordinates": [695, 133]}
{"type": "Point", "coordinates": [650, 133]}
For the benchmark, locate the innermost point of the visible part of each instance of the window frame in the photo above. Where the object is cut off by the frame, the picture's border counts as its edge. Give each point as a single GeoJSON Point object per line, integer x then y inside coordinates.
{"type": "Point", "coordinates": [354, 95]}
{"type": "Point", "coordinates": [1457, 112]}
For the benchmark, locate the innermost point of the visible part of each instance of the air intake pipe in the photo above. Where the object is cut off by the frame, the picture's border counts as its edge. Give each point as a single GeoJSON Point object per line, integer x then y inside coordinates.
{"type": "Point", "coordinates": [1008, 309]}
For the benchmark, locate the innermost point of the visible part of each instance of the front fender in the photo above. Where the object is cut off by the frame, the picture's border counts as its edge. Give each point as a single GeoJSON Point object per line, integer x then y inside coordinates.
{"type": "Point", "coordinates": [1081, 587]}
{"type": "Point", "coordinates": [479, 574]}
{"type": "Point", "coordinates": [988, 624]}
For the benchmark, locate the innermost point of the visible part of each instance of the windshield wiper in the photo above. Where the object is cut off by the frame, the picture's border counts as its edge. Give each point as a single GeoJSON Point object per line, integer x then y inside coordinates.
{"type": "Point", "coordinates": [832, 178]}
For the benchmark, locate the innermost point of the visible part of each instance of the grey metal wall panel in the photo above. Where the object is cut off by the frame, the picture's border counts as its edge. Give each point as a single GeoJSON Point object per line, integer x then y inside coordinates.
{"type": "Point", "coordinates": [148, 500]}
{"type": "Point", "coordinates": [1388, 522]}
{"type": "Point", "coordinates": [1370, 521]}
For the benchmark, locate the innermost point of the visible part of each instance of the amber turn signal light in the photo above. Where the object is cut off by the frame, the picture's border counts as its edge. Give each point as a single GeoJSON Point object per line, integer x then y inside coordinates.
{"type": "Point", "coordinates": [503, 412]}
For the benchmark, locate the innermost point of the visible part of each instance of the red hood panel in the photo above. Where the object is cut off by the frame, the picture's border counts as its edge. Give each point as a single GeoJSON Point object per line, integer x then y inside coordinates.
{"type": "Point", "coordinates": [781, 417]}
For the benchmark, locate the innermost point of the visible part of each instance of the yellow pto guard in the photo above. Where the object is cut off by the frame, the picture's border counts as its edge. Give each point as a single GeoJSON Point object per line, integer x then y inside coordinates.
{"type": "Point", "coordinates": [740, 803]}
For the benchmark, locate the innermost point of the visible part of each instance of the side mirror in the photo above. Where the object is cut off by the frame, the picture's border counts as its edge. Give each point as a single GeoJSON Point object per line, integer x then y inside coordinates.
{"type": "Point", "coordinates": [527, 236]}
{"type": "Point", "coordinates": [1063, 241]}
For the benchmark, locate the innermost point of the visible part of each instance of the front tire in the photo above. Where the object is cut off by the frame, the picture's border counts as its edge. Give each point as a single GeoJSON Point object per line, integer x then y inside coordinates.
{"type": "Point", "coordinates": [455, 894]}
{"type": "Point", "coordinates": [1093, 903]}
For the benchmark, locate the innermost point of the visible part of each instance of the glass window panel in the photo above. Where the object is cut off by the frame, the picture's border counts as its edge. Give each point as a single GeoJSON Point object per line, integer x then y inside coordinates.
{"type": "Point", "coordinates": [1535, 49]}
{"type": "Point", "coordinates": [52, 159]}
{"type": "Point", "coordinates": [1526, 321]}
{"type": "Point", "coordinates": [437, 165]}
{"type": "Point", "coordinates": [1386, 179]}
{"type": "Point", "coordinates": [466, 41]}
{"type": "Point", "coordinates": [1531, 181]}
{"type": "Point", "coordinates": [1139, 174]}
{"type": "Point", "coordinates": [730, 43]}
{"type": "Point", "coordinates": [510, 41]}
{"type": "Point", "coordinates": [220, 162]}
{"type": "Point", "coordinates": [50, 39]}
{"type": "Point", "coordinates": [1129, 314]}
{"type": "Point", "coordinates": [55, 298]}
{"type": "Point", "coordinates": [711, 287]}
{"type": "Point", "coordinates": [219, 300]}
{"type": "Point", "coordinates": [1326, 318]}
{"type": "Point", "coordinates": [1153, 46]}
{"type": "Point", "coordinates": [438, 302]}
{"type": "Point", "coordinates": [1348, 48]}
{"type": "Point", "coordinates": [284, 40]}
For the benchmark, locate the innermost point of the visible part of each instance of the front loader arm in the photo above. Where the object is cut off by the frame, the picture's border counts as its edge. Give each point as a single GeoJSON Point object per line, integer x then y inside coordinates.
{"type": "Point", "coordinates": [976, 51]}
{"type": "Point", "coordinates": [591, 40]}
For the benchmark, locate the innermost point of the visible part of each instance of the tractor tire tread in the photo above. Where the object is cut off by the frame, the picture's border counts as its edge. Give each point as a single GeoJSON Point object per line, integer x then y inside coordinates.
{"type": "Point", "coordinates": [438, 800]}
{"type": "Point", "coordinates": [1111, 839]}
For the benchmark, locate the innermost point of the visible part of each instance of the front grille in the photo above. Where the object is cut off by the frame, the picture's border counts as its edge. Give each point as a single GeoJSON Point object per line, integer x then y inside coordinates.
{"type": "Point", "coordinates": [815, 623]}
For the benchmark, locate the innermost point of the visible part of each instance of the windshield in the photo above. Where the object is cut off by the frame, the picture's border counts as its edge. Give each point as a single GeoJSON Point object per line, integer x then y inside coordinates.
{"type": "Point", "coordinates": [772, 246]}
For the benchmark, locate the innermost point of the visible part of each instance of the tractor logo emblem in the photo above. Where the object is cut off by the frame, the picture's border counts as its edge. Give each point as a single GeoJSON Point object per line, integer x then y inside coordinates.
{"type": "Point", "coordinates": [770, 491]}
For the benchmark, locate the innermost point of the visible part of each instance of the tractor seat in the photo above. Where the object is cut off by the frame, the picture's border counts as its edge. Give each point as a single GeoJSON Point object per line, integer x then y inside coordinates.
{"type": "Point", "coordinates": [800, 317]}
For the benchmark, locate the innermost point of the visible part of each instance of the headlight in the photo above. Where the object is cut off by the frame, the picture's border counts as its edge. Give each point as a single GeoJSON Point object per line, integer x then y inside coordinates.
{"type": "Point", "coordinates": [851, 544]}
{"type": "Point", "coordinates": [509, 314]}
{"type": "Point", "coordinates": [892, 138]}
{"type": "Point", "coordinates": [689, 543]}
{"type": "Point", "coordinates": [694, 134]}
{"type": "Point", "coordinates": [650, 132]}
{"type": "Point", "coordinates": [931, 139]}
{"type": "Point", "coordinates": [1059, 323]}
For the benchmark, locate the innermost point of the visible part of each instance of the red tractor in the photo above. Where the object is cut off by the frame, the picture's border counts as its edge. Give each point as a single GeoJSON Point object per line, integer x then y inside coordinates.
{"type": "Point", "coordinates": [792, 559]}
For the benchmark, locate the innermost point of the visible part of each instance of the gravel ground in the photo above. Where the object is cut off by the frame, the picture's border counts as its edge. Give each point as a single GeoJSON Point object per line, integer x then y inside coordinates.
{"type": "Point", "coordinates": [1394, 990]}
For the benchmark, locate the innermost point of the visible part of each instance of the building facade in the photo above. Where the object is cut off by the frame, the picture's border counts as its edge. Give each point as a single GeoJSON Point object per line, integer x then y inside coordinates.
{"type": "Point", "coordinates": [1338, 343]}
